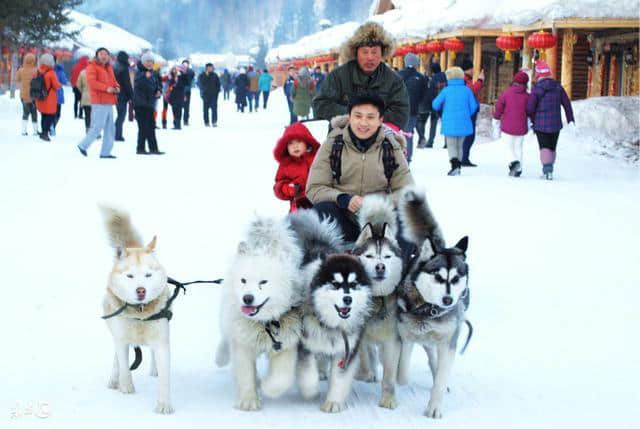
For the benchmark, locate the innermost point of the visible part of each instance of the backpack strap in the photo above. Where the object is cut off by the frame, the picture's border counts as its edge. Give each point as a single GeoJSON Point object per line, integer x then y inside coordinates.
{"type": "Point", "coordinates": [336, 157]}
{"type": "Point", "coordinates": [388, 162]}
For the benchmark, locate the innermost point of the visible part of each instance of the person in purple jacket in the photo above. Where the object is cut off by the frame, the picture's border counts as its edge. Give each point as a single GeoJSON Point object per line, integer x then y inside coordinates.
{"type": "Point", "coordinates": [511, 111]}
{"type": "Point", "coordinates": [543, 108]}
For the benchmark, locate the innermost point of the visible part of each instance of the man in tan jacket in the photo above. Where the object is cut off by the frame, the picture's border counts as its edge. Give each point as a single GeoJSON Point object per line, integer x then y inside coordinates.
{"type": "Point", "coordinates": [24, 76]}
{"type": "Point", "coordinates": [371, 160]}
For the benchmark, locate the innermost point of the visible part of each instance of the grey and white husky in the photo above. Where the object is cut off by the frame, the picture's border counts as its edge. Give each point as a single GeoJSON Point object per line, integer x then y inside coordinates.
{"type": "Point", "coordinates": [433, 297]}
{"type": "Point", "coordinates": [334, 318]}
{"type": "Point", "coordinates": [261, 311]}
{"type": "Point", "coordinates": [381, 256]}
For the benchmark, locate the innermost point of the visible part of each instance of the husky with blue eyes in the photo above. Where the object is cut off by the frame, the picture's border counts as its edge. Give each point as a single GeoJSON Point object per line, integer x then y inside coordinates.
{"type": "Point", "coordinates": [334, 319]}
{"type": "Point", "coordinates": [261, 311]}
{"type": "Point", "coordinates": [135, 306]}
{"type": "Point", "coordinates": [433, 298]}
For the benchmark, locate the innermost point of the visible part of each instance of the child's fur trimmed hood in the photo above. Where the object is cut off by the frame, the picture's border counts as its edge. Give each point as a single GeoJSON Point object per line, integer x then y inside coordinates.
{"type": "Point", "coordinates": [367, 34]}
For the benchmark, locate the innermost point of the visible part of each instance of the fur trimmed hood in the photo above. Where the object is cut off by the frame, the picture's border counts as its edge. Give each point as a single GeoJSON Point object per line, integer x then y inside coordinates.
{"type": "Point", "coordinates": [369, 33]}
{"type": "Point", "coordinates": [297, 131]}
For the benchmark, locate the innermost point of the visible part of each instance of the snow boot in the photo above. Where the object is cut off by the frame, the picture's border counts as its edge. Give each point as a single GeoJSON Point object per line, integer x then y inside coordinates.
{"type": "Point", "coordinates": [455, 167]}
{"type": "Point", "coordinates": [45, 136]}
{"type": "Point", "coordinates": [422, 143]}
{"type": "Point", "coordinates": [515, 170]}
{"type": "Point", "coordinates": [34, 125]}
{"type": "Point", "coordinates": [547, 171]}
{"type": "Point", "coordinates": [24, 128]}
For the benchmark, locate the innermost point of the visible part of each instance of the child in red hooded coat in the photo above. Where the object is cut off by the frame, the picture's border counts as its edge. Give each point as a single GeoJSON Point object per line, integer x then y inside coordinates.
{"type": "Point", "coordinates": [294, 152]}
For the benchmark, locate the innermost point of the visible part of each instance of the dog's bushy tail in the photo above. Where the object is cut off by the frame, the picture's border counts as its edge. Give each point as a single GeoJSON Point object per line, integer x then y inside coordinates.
{"type": "Point", "coordinates": [314, 234]}
{"type": "Point", "coordinates": [377, 210]}
{"type": "Point", "coordinates": [417, 218]}
{"type": "Point", "coordinates": [120, 231]}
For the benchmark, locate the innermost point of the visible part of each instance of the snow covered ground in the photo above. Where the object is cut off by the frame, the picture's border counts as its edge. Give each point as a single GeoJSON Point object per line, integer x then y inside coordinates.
{"type": "Point", "coordinates": [554, 279]}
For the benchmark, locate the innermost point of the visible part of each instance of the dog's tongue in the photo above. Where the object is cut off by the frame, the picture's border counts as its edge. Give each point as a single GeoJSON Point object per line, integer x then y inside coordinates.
{"type": "Point", "coordinates": [248, 309]}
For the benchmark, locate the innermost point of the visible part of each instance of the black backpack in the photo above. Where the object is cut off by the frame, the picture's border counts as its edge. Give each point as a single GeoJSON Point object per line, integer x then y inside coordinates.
{"type": "Point", "coordinates": [388, 160]}
{"type": "Point", "coordinates": [38, 89]}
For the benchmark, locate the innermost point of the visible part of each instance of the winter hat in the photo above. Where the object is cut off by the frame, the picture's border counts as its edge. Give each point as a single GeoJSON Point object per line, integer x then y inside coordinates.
{"type": "Point", "coordinates": [435, 68]}
{"type": "Point", "coordinates": [147, 56]}
{"type": "Point", "coordinates": [368, 34]}
{"type": "Point", "coordinates": [454, 73]}
{"type": "Point", "coordinates": [542, 69]}
{"type": "Point", "coordinates": [521, 77]}
{"type": "Point", "coordinates": [47, 60]}
{"type": "Point", "coordinates": [295, 131]}
{"type": "Point", "coordinates": [411, 60]}
{"type": "Point", "coordinates": [467, 64]}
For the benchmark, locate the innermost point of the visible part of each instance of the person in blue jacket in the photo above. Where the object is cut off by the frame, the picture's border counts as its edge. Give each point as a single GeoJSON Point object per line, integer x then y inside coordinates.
{"type": "Point", "coordinates": [457, 104]}
{"type": "Point", "coordinates": [62, 78]}
{"type": "Point", "coordinates": [264, 85]}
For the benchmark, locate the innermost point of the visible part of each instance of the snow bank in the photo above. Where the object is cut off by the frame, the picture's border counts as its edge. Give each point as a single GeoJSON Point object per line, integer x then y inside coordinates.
{"type": "Point", "coordinates": [610, 126]}
{"type": "Point", "coordinates": [94, 33]}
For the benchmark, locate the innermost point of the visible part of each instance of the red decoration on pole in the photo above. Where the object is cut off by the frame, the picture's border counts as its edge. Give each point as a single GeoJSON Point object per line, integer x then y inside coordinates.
{"type": "Point", "coordinates": [542, 40]}
{"type": "Point", "coordinates": [454, 45]}
{"type": "Point", "coordinates": [422, 48]}
{"type": "Point", "coordinates": [509, 43]}
{"type": "Point", "coordinates": [435, 46]}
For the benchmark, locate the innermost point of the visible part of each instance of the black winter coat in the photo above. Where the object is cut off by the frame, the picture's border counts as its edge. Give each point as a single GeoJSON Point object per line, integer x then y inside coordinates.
{"type": "Point", "coordinates": [177, 93]}
{"type": "Point", "coordinates": [416, 84]}
{"type": "Point", "coordinates": [189, 75]}
{"type": "Point", "coordinates": [242, 85]}
{"type": "Point", "coordinates": [209, 84]}
{"type": "Point", "coordinates": [145, 88]}
{"type": "Point", "coordinates": [121, 72]}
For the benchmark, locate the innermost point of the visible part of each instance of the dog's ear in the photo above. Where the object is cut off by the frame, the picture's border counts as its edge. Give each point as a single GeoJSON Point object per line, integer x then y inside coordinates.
{"type": "Point", "coordinates": [243, 248]}
{"type": "Point", "coordinates": [152, 245]}
{"type": "Point", "coordinates": [463, 244]}
{"type": "Point", "coordinates": [428, 249]}
{"type": "Point", "coordinates": [387, 232]}
{"type": "Point", "coordinates": [365, 234]}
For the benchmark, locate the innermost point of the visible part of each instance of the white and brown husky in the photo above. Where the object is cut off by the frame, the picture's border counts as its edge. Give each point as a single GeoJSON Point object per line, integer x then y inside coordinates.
{"type": "Point", "coordinates": [136, 306]}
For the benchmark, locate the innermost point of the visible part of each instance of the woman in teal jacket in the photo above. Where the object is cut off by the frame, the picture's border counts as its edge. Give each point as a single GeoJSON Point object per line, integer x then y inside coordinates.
{"type": "Point", "coordinates": [457, 104]}
{"type": "Point", "coordinates": [264, 85]}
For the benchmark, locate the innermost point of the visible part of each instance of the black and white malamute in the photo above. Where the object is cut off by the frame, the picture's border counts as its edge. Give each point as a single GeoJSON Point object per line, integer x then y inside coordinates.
{"type": "Point", "coordinates": [433, 297]}
{"type": "Point", "coordinates": [333, 321]}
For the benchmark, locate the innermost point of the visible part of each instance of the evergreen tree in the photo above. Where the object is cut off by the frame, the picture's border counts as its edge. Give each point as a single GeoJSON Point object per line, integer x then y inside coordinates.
{"type": "Point", "coordinates": [34, 22]}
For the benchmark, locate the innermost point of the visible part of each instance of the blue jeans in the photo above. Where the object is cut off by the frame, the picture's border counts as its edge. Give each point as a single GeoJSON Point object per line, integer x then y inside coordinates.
{"type": "Point", "coordinates": [292, 115]}
{"type": "Point", "coordinates": [411, 125]}
{"type": "Point", "coordinates": [468, 141]}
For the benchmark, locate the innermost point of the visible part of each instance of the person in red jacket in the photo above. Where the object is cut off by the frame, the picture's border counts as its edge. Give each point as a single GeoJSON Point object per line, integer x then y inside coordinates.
{"type": "Point", "coordinates": [103, 90]}
{"type": "Point", "coordinates": [48, 106]}
{"type": "Point", "coordinates": [294, 153]}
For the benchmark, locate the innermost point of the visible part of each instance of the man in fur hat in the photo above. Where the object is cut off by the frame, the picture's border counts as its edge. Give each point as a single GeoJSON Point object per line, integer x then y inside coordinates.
{"type": "Point", "coordinates": [364, 72]}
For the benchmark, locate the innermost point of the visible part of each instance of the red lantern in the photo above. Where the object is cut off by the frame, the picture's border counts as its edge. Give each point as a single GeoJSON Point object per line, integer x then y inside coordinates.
{"type": "Point", "coordinates": [509, 43]}
{"type": "Point", "coordinates": [435, 46]}
{"type": "Point", "coordinates": [421, 48]}
{"type": "Point", "coordinates": [542, 40]}
{"type": "Point", "coordinates": [454, 45]}
{"type": "Point", "coordinates": [411, 49]}
{"type": "Point", "coordinates": [400, 51]}
{"type": "Point", "coordinates": [6, 50]}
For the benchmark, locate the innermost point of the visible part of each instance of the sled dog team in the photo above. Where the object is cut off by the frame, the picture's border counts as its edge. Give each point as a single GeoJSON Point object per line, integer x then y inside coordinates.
{"type": "Point", "coordinates": [317, 309]}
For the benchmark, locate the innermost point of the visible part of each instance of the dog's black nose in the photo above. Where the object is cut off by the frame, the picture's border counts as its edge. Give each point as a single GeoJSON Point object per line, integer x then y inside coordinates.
{"type": "Point", "coordinates": [447, 300]}
{"type": "Point", "coordinates": [347, 300]}
{"type": "Point", "coordinates": [380, 268]}
{"type": "Point", "coordinates": [248, 299]}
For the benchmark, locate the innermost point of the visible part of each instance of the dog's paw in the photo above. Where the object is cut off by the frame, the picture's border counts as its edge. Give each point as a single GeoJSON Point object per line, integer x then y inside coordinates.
{"type": "Point", "coordinates": [366, 376]}
{"type": "Point", "coordinates": [163, 408]}
{"type": "Point", "coordinates": [273, 387]}
{"type": "Point", "coordinates": [433, 411]}
{"type": "Point", "coordinates": [126, 387]}
{"type": "Point", "coordinates": [388, 400]}
{"type": "Point", "coordinates": [248, 404]}
{"type": "Point", "coordinates": [113, 383]}
{"type": "Point", "coordinates": [332, 407]}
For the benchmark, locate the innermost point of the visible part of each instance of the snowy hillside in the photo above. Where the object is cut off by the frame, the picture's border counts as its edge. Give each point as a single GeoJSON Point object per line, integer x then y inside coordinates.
{"type": "Point", "coordinates": [553, 276]}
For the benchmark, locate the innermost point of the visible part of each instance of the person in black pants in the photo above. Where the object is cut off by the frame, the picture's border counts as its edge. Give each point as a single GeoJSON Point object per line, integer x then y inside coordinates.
{"type": "Point", "coordinates": [145, 93]}
{"type": "Point", "coordinates": [121, 71]}
{"type": "Point", "coordinates": [189, 75]}
{"type": "Point", "coordinates": [177, 83]}
{"type": "Point", "coordinates": [209, 85]}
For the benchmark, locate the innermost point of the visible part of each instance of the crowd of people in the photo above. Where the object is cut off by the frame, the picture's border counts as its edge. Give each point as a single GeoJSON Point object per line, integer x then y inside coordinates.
{"type": "Point", "coordinates": [138, 89]}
